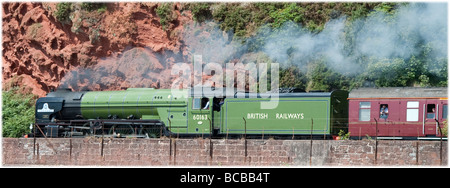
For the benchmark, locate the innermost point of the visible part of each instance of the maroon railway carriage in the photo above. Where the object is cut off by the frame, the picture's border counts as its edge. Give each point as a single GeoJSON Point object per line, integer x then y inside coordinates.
{"type": "Point", "coordinates": [396, 113]}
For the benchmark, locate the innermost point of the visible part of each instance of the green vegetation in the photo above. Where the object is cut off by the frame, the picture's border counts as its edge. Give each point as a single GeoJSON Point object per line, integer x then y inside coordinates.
{"type": "Point", "coordinates": [18, 112]}
{"type": "Point", "coordinates": [200, 11]}
{"type": "Point", "coordinates": [343, 135]}
{"type": "Point", "coordinates": [82, 15]}
{"type": "Point", "coordinates": [445, 129]}
{"type": "Point", "coordinates": [292, 77]}
{"type": "Point", "coordinates": [233, 18]}
{"type": "Point", "coordinates": [323, 78]}
{"type": "Point", "coordinates": [93, 6]}
{"type": "Point", "coordinates": [289, 12]}
{"type": "Point", "coordinates": [165, 14]}
{"type": "Point", "coordinates": [63, 11]}
{"type": "Point", "coordinates": [243, 19]}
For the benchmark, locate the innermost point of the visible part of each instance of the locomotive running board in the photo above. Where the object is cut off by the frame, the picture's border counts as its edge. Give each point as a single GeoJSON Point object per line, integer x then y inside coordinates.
{"type": "Point", "coordinates": [132, 123]}
{"type": "Point", "coordinates": [117, 136]}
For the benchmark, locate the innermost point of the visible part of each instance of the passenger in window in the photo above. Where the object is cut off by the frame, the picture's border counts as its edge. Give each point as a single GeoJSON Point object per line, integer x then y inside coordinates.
{"type": "Point", "coordinates": [384, 112]}
{"type": "Point", "coordinates": [217, 104]}
{"type": "Point", "coordinates": [431, 115]}
{"type": "Point", "coordinates": [220, 104]}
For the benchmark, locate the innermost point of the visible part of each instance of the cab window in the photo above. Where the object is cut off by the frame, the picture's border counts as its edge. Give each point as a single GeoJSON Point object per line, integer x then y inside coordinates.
{"type": "Point", "coordinates": [205, 103]}
{"type": "Point", "coordinates": [196, 103]}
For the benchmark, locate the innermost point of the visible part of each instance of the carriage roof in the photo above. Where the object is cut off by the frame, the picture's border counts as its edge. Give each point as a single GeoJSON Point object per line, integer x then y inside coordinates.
{"type": "Point", "coordinates": [399, 92]}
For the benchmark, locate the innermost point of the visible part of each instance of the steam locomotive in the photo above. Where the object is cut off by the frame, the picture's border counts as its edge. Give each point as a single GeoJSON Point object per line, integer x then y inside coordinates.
{"type": "Point", "coordinates": [148, 112]}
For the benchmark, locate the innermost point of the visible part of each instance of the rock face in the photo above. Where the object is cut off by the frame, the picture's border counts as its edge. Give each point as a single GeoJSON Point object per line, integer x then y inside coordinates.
{"type": "Point", "coordinates": [126, 39]}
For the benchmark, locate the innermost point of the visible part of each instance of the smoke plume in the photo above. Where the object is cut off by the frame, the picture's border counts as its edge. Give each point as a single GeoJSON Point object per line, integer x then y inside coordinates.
{"type": "Point", "coordinates": [380, 35]}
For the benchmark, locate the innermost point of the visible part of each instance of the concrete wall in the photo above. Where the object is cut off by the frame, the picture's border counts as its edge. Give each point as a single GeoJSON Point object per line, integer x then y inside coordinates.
{"type": "Point", "coordinates": [197, 152]}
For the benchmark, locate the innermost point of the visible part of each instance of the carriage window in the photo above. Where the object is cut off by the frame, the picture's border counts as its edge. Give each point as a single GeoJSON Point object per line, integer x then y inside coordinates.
{"type": "Point", "coordinates": [196, 102]}
{"type": "Point", "coordinates": [412, 111]}
{"type": "Point", "coordinates": [444, 112]}
{"type": "Point", "coordinates": [384, 111]}
{"type": "Point", "coordinates": [364, 111]}
{"type": "Point", "coordinates": [431, 111]}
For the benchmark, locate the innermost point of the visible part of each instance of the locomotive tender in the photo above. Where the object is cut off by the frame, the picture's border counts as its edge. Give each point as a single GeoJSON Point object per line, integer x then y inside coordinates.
{"type": "Point", "coordinates": [148, 112]}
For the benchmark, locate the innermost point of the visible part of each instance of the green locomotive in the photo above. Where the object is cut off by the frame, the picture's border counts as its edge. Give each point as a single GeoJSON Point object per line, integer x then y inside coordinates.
{"type": "Point", "coordinates": [148, 112]}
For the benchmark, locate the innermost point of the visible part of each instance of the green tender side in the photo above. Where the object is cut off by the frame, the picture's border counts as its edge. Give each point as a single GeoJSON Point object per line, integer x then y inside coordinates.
{"type": "Point", "coordinates": [293, 115]}
{"type": "Point", "coordinates": [142, 103]}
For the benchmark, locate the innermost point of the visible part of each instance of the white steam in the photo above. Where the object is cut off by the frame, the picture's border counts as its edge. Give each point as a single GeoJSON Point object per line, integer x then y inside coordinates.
{"type": "Point", "coordinates": [380, 35]}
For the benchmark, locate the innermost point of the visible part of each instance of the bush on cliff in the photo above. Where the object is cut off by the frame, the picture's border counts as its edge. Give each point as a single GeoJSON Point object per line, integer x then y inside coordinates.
{"type": "Point", "coordinates": [18, 112]}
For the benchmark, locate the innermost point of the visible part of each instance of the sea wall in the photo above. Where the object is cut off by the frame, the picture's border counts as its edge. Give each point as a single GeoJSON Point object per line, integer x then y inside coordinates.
{"type": "Point", "coordinates": [220, 152]}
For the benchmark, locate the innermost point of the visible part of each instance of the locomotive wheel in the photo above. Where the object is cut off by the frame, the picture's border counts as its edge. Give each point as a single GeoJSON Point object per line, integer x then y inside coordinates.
{"type": "Point", "coordinates": [122, 130]}
{"type": "Point", "coordinates": [151, 132]}
{"type": "Point", "coordinates": [96, 129]}
{"type": "Point", "coordinates": [86, 132]}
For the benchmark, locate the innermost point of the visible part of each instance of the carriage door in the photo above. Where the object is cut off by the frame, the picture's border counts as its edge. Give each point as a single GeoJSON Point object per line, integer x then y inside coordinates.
{"type": "Point", "coordinates": [430, 114]}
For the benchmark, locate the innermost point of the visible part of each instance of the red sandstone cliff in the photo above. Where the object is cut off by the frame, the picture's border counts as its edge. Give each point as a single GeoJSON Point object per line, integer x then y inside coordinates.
{"type": "Point", "coordinates": [39, 51]}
